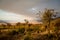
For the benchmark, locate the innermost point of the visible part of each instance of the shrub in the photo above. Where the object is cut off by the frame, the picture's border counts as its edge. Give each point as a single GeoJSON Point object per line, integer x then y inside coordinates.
{"type": "Point", "coordinates": [28, 38]}
{"type": "Point", "coordinates": [21, 30]}
{"type": "Point", "coordinates": [13, 32]}
{"type": "Point", "coordinates": [30, 29]}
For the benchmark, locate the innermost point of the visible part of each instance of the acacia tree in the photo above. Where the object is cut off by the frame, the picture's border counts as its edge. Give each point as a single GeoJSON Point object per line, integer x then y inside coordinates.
{"type": "Point", "coordinates": [26, 21]}
{"type": "Point", "coordinates": [47, 17]}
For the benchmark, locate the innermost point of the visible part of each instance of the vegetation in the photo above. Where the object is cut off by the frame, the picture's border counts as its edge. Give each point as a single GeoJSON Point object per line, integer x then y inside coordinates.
{"type": "Point", "coordinates": [26, 31]}
{"type": "Point", "coordinates": [47, 17]}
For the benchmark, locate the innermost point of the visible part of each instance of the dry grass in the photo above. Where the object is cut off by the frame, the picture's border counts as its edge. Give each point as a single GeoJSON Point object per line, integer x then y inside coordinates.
{"type": "Point", "coordinates": [27, 32]}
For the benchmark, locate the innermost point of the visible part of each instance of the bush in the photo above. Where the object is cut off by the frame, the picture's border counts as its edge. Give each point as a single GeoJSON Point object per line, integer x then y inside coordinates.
{"type": "Point", "coordinates": [13, 32]}
{"type": "Point", "coordinates": [21, 30]}
{"type": "Point", "coordinates": [28, 38]}
{"type": "Point", "coordinates": [30, 29]}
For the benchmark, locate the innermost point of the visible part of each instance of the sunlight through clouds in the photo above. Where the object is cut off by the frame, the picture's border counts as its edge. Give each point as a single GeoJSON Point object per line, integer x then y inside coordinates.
{"type": "Point", "coordinates": [12, 16]}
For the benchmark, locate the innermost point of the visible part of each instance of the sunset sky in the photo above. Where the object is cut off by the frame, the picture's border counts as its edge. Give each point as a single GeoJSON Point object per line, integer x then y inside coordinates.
{"type": "Point", "coordinates": [18, 10]}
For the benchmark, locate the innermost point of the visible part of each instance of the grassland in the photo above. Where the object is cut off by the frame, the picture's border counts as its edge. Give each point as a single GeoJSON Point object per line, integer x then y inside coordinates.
{"type": "Point", "coordinates": [23, 31]}
{"type": "Point", "coordinates": [26, 31]}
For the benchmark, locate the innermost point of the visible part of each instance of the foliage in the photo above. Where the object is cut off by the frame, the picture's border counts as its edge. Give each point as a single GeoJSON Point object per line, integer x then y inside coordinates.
{"type": "Point", "coordinates": [28, 38]}
{"type": "Point", "coordinates": [21, 30]}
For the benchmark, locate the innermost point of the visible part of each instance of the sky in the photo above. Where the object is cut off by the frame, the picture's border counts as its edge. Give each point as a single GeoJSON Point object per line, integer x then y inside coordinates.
{"type": "Point", "coordinates": [19, 10]}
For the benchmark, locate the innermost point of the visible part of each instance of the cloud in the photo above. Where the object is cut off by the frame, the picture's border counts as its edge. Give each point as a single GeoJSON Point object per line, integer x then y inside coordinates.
{"type": "Point", "coordinates": [23, 6]}
{"type": "Point", "coordinates": [4, 15]}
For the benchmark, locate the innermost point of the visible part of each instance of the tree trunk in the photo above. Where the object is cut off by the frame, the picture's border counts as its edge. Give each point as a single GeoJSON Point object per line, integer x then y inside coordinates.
{"type": "Point", "coordinates": [49, 25]}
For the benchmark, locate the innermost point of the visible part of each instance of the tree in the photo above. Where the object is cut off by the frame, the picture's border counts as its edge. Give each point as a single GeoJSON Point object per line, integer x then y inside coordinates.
{"type": "Point", "coordinates": [26, 21]}
{"type": "Point", "coordinates": [8, 24]}
{"type": "Point", "coordinates": [4, 26]}
{"type": "Point", "coordinates": [18, 24]}
{"type": "Point", "coordinates": [47, 17]}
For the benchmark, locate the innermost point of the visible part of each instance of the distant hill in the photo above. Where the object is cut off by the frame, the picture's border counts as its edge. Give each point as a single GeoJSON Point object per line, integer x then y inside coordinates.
{"type": "Point", "coordinates": [54, 21]}
{"type": "Point", "coordinates": [1, 21]}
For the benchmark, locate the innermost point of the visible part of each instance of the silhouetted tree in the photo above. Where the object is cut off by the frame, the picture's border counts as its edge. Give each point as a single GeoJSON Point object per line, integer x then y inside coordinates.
{"type": "Point", "coordinates": [18, 24]}
{"type": "Point", "coordinates": [47, 16]}
{"type": "Point", "coordinates": [3, 25]}
{"type": "Point", "coordinates": [26, 21]}
{"type": "Point", "coordinates": [8, 24]}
